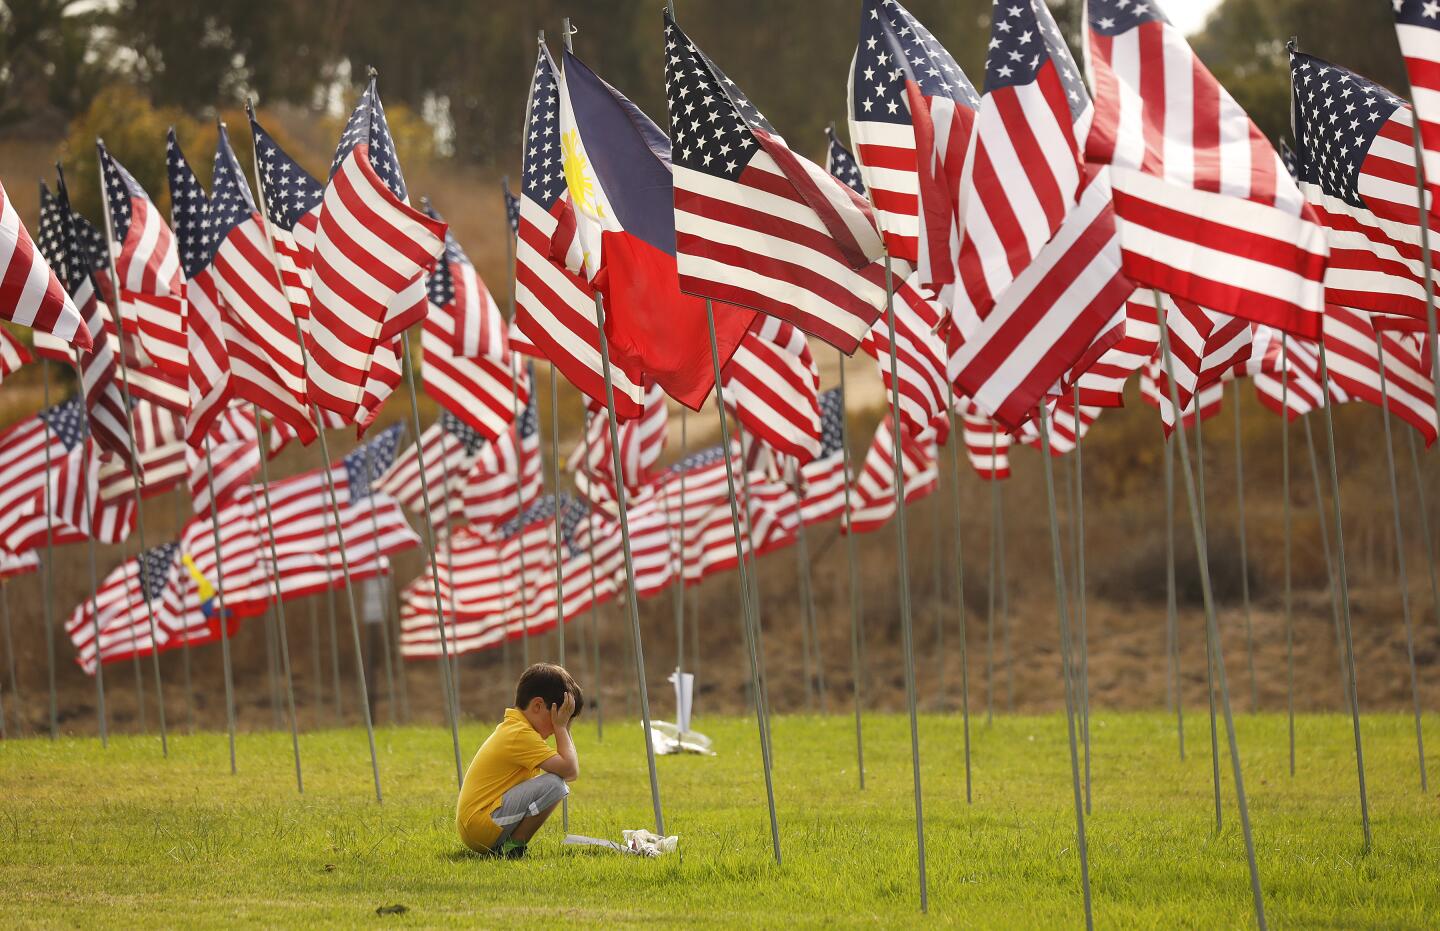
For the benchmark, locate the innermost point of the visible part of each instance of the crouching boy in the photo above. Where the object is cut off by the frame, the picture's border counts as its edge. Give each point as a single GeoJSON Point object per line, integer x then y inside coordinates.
{"type": "Point", "coordinates": [517, 779]}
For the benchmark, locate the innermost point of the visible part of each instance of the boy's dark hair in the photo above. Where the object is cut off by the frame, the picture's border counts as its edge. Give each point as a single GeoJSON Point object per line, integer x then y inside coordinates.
{"type": "Point", "coordinates": [550, 682]}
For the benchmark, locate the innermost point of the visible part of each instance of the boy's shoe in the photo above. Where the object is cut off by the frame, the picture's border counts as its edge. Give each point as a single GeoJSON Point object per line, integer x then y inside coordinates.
{"type": "Point", "coordinates": [511, 850]}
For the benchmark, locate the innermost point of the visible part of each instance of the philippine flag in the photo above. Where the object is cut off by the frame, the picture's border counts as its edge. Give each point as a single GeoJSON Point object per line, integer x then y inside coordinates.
{"type": "Point", "coordinates": [620, 230]}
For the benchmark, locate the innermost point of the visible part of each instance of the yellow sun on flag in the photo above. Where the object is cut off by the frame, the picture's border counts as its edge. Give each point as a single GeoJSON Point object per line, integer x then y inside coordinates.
{"type": "Point", "coordinates": [577, 176]}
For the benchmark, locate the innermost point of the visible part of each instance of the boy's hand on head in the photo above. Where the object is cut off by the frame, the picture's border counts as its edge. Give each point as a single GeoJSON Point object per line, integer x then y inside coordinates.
{"type": "Point", "coordinates": [560, 714]}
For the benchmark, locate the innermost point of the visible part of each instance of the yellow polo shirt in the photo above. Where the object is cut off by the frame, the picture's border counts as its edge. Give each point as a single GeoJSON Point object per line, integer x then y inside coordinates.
{"type": "Point", "coordinates": [509, 756]}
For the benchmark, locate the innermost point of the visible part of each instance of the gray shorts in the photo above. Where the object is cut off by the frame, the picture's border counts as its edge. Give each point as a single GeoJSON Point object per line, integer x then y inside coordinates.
{"type": "Point", "coordinates": [530, 797]}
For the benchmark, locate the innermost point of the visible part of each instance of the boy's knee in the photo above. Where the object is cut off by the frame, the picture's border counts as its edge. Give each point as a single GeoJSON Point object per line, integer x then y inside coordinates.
{"type": "Point", "coordinates": [552, 790]}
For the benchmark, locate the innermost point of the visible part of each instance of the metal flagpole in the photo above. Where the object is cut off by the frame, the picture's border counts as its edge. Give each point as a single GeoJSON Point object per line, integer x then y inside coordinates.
{"type": "Point", "coordinates": [1425, 527]}
{"type": "Point", "coordinates": [679, 580]}
{"type": "Point", "coordinates": [802, 574]}
{"type": "Point", "coordinates": [990, 583]}
{"type": "Point", "coordinates": [49, 593]}
{"type": "Point", "coordinates": [1285, 496]}
{"type": "Point", "coordinates": [1400, 561]}
{"type": "Point", "coordinates": [1062, 607]}
{"type": "Point", "coordinates": [555, 473]}
{"type": "Point", "coordinates": [1210, 623]}
{"type": "Point", "coordinates": [747, 606]}
{"type": "Point", "coordinates": [318, 697]}
{"type": "Point", "coordinates": [180, 509]}
{"type": "Point", "coordinates": [279, 597]}
{"type": "Point", "coordinates": [519, 514]}
{"type": "Point", "coordinates": [268, 623]}
{"type": "Point", "coordinates": [957, 437]}
{"type": "Point", "coordinates": [510, 235]}
{"type": "Point", "coordinates": [809, 625]}
{"type": "Point", "coordinates": [1005, 610]}
{"type": "Point", "coordinates": [594, 629]}
{"type": "Point", "coordinates": [220, 607]}
{"type": "Point", "coordinates": [447, 683]}
{"type": "Point", "coordinates": [134, 465]}
{"type": "Point", "coordinates": [1080, 591]}
{"type": "Point", "coordinates": [1329, 561]}
{"type": "Point", "coordinates": [1345, 599]}
{"type": "Point", "coordinates": [1244, 555]}
{"type": "Point", "coordinates": [906, 634]}
{"type": "Point", "coordinates": [856, 659]}
{"type": "Point", "coordinates": [753, 572]}
{"type": "Point", "coordinates": [1427, 259]}
{"type": "Point", "coordinates": [1172, 614]}
{"type": "Point", "coordinates": [334, 630]}
{"type": "Point", "coordinates": [385, 574]}
{"type": "Point", "coordinates": [449, 566]}
{"type": "Point", "coordinates": [94, 602]}
{"type": "Point", "coordinates": [633, 604]}
{"type": "Point", "coordinates": [1212, 644]}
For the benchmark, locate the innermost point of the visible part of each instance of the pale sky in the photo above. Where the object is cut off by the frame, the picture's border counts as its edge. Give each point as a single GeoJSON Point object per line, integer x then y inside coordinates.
{"type": "Point", "coordinates": [1188, 15]}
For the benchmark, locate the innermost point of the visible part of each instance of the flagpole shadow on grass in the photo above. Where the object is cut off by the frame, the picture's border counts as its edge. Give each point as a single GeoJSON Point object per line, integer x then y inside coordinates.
{"type": "Point", "coordinates": [1207, 596]}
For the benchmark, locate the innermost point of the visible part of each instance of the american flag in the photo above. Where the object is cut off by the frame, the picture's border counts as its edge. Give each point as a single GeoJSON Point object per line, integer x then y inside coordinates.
{"type": "Point", "coordinates": [642, 441]}
{"type": "Point", "coordinates": [1205, 209]}
{"type": "Point", "coordinates": [372, 524]}
{"type": "Point", "coordinates": [1417, 23]}
{"type": "Point", "coordinates": [987, 444]}
{"type": "Point", "coordinates": [371, 249]}
{"type": "Point", "coordinates": [1354, 361]}
{"type": "Point", "coordinates": [920, 357]}
{"type": "Point", "coordinates": [707, 532]}
{"type": "Point", "coordinates": [266, 365]}
{"type": "Point", "coordinates": [873, 499]}
{"type": "Point", "coordinates": [1067, 428]}
{"type": "Point", "coordinates": [1049, 316]}
{"type": "Point", "coordinates": [757, 225]}
{"type": "Point", "coordinates": [1287, 376]}
{"type": "Point", "coordinates": [233, 450]}
{"type": "Point", "coordinates": [99, 369]}
{"type": "Point", "coordinates": [208, 370]}
{"type": "Point", "coordinates": [467, 356]}
{"type": "Point", "coordinates": [555, 308]}
{"type": "Point", "coordinates": [13, 355]}
{"type": "Point", "coordinates": [1025, 167]}
{"type": "Point", "coordinates": [116, 625]}
{"type": "Point", "coordinates": [1207, 402]}
{"type": "Point", "coordinates": [840, 162]}
{"type": "Point", "coordinates": [822, 479]}
{"type": "Point", "coordinates": [449, 447]}
{"type": "Point", "coordinates": [291, 201]}
{"type": "Point", "coordinates": [147, 266]}
{"type": "Point", "coordinates": [1355, 154]}
{"type": "Point", "coordinates": [505, 478]}
{"type": "Point", "coordinates": [13, 564]}
{"type": "Point", "coordinates": [1207, 347]}
{"type": "Point", "coordinates": [512, 208]}
{"type": "Point", "coordinates": [911, 113]}
{"type": "Point", "coordinates": [30, 292]}
{"type": "Point", "coordinates": [772, 386]}
{"type": "Point", "coordinates": [32, 452]}
{"type": "Point", "coordinates": [1102, 383]}
{"type": "Point", "coordinates": [244, 575]}
{"type": "Point", "coordinates": [160, 447]}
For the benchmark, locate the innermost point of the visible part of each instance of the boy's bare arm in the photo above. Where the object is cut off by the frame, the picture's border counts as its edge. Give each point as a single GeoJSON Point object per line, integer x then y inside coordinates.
{"type": "Point", "coordinates": [566, 762]}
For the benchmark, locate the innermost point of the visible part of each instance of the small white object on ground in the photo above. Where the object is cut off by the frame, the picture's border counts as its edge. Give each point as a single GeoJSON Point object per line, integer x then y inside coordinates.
{"type": "Point", "coordinates": [640, 843]}
{"type": "Point", "coordinates": [668, 739]}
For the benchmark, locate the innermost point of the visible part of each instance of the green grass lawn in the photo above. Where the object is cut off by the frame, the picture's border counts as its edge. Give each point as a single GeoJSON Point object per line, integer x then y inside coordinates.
{"type": "Point", "coordinates": [121, 837]}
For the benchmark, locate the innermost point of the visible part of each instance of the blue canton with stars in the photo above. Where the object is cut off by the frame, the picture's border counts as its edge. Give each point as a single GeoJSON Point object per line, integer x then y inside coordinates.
{"type": "Point", "coordinates": [1112, 17]}
{"type": "Point", "coordinates": [441, 283]}
{"type": "Point", "coordinates": [367, 126]}
{"type": "Point", "coordinates": [68, 421]}
{"type": "Point", "coordinates": [368, 461]}
{"type": "Point", "coordinates": [840, 163]}
{"type": "Point", "coordinates": [710, 119]}
{"type": "Point", "coordinates": [541, 510]}
{"type": "Point", "coordinates": [542, 176]}
{"type": "Point", "coordinates": [832, 415]}
{"type": "Point", "coordinates": [73, 242]}
{"type": "Point", "coordinates": [697, 461]}
{"type": "Point", "coordinates": [1417, 13]}
{"type": "Point", "coordinates": [573, 513]}
{"type": "Point", "coordinates": [470, 439]}
{"type": "Point", "coordinates": [895, 48]}
{"type": "Point", "coordinates": [512, 209]}
{"type": "Point", "coordinates": [120, 186]}
{"type": "Point", "coordinates": [50, 235]}
{"type": "Point", "coordinates": [529, 420]}
{"type": "Point", "coordinates": [1023, 37]}
{"type": "Point", "coordinates": [1337, 116]}
{"type": "Point", "coordinates": [1287, 158]}
{"type": "Point", "coordinates": [156, 566]}
{"type": "Point", "coordinates": [230, 200]}
{"type": "Point", "coordinates": [289, 191]}
{"type": "Point", "coordinates": [189, 210]}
